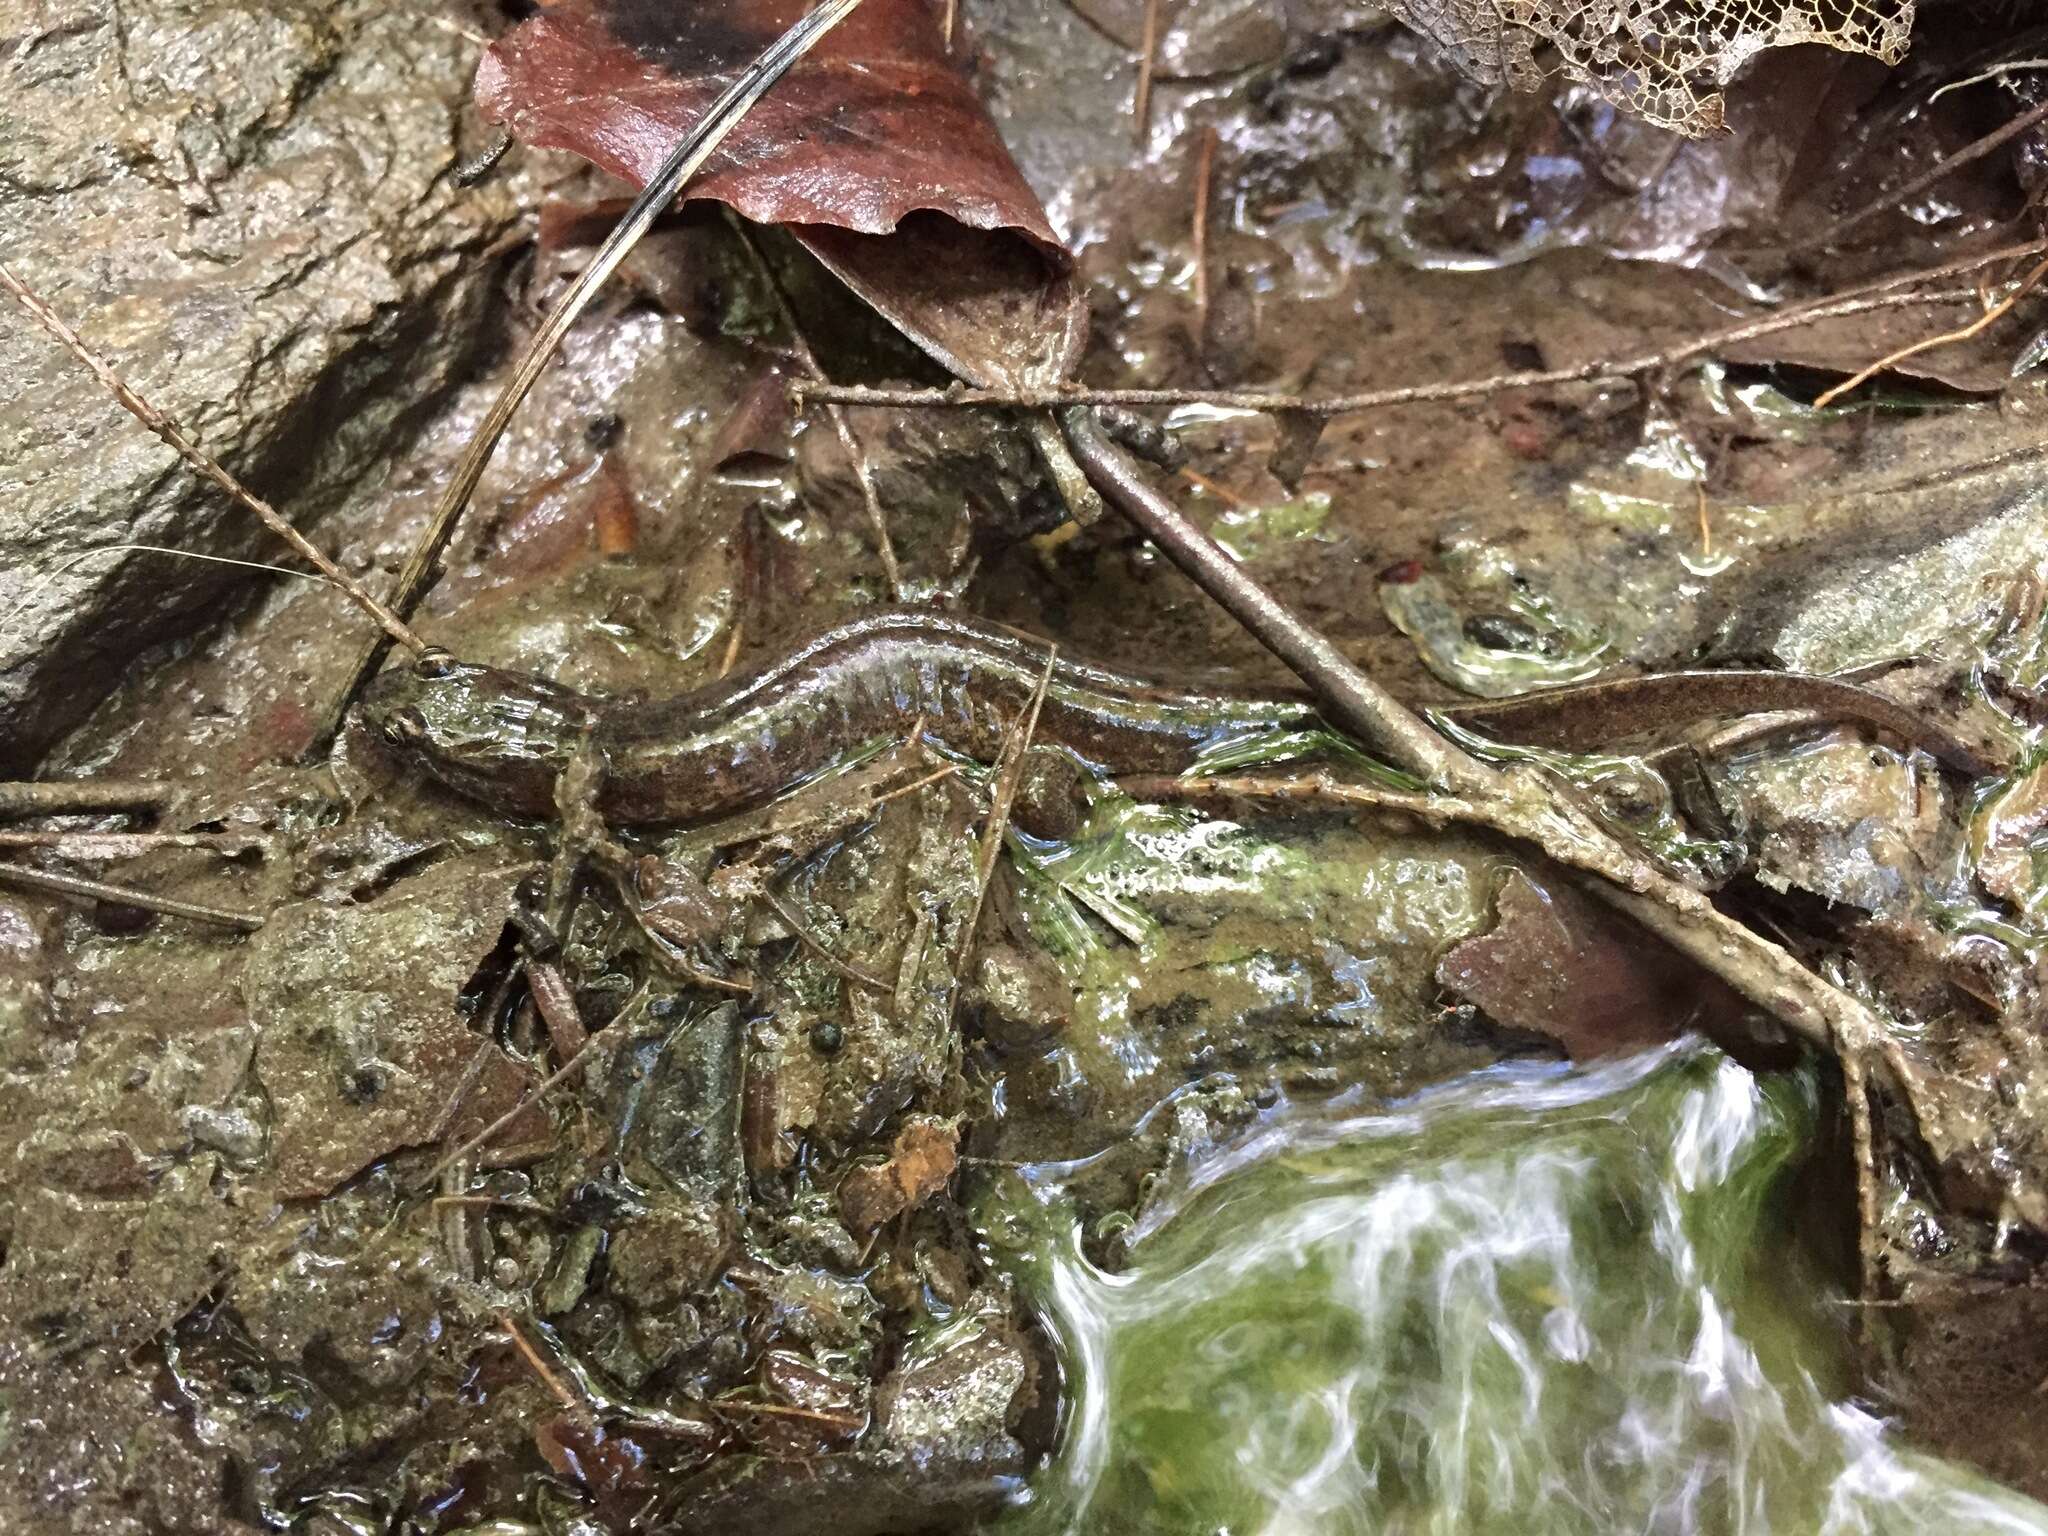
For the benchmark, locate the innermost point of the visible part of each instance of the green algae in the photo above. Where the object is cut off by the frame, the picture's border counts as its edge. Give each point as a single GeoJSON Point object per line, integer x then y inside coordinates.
{"type": "Point", "coordinates": [1537, 1300]}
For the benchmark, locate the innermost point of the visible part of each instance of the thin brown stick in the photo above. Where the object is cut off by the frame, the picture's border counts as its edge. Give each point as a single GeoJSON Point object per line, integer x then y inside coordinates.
{"type": "Point", "coordinates": [468, 34]}
{"type": "Point", "coordinates": [555, 1001]}
{"type": "Point", "coordinates": [549, 1379]}
{"type": "Point", "coordinates": [1983, 322]}
{"type": "Point", "coordinates": [58, 797]}
{"type": "Point", "coordinates": [812, 1415]}
{"type": "Point", "coordinates": [697, 976]}
{"type": "Point", "coordinates": [1148, 50]}
{"type": "Point", "coordinates": [1372, 399]}
{"type": "Point", "coordinates": [1350, 699]}
{"type": "Point", "coordinates": [937, 775]}
{"type": "Point", "coordinates": [1205, 174]}
{"type": "Point", "coordinates": [807, 360]}
{"type": "Point", "coordinates": [501, 1203]}
{"type": "Point", "coordinates": [23, 878]}
{"type": "Point", "coordinates": [472, 1070]}
{"type": "Point", "coordinates": [1531, 813]}
{"type": "Point", "coordinates": [1885, 293]}
{"type": "Point", "coordinates": [1009, 774]}
{"type": "Point", "coordinates": [1939, 171]}
{"type": "Point", "coordinates": [547, 1085]}
{"type": "Point", "coordinates": [683, 161]}
{"type": "Point", "coordinates": [132, 845]}
{"type": "Point", "coordinates": [952, 21]}
{"type": "Point", "coordinates": [209, 468]}
{"type": "Point", "coordinates": [817, 946]}
{"type": "Point", "coordinates": [1869, 1211]}
{"type": "Point", "coordinates": [1216, 488]}
{"type": "Point", "coordinates": [1519, 802]}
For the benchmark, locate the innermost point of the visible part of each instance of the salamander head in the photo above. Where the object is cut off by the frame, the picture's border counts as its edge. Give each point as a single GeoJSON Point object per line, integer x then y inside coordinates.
{"type": "Point", "coordinates": [498, 736]}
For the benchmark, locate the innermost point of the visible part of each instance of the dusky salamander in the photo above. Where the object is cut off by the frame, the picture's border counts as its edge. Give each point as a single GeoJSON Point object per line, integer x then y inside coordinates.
{"type": "Point", "coordinates": [503, 737]}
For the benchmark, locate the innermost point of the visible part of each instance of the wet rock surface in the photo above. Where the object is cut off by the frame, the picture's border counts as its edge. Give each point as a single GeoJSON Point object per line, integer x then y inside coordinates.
{"type": "Point", "coordinates": [249, 209]}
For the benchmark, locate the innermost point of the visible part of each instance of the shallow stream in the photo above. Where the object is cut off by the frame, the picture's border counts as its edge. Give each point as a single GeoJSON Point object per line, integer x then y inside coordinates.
{"type": "Point", "coordinates": [1540, 1299]}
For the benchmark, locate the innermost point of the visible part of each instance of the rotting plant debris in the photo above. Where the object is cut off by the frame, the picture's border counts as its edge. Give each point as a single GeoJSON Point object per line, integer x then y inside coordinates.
{"type": "Point", "coordinates": [551, 1153]}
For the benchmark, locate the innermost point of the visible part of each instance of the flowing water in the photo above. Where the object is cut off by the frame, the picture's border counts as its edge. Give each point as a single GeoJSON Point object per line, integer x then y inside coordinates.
{"type": "Point", "coordinates": [1539, 1300]}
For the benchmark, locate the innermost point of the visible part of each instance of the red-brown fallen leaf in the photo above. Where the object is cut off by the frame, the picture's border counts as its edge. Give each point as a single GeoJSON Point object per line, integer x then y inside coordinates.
{"type": "Point", "coordinates": [875, 124]}
{"type": "Point", "coordinates": [921, 1160]}
{"type": "Point", "coordinates": [1561, 965]}
{"type": "Point", "coordinates": [873, 150]}
{"type": "Point", "coordinates": [986, 305]}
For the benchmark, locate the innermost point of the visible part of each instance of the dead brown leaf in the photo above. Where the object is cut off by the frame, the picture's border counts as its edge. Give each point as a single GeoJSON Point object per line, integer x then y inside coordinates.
{"type": "Point", "coordinates": [920, 1162]}
{"type": "Point", "coordinates": [1560, 965]}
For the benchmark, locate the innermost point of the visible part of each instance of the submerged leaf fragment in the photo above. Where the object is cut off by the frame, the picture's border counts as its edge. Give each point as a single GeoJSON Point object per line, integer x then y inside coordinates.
{"type": "Point", "coordinates": [1560, 965]}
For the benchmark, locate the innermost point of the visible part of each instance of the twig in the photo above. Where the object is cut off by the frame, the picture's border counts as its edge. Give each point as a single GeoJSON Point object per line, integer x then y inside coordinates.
{"type": "Point", "coordinates": [1891, 359]}
{"type": "Point", "coordinates": [59, 797]}
{"type": "Point", "coordinates": [1815, 1009]}
{"type": "Point", "coordinates": [1009, 774]}
{"type": "Point", "coordinates": [1869, 1211]}
{"type": "Point", "coordinates": [1353, 701]}
{"type": "Point", "coordinates": [1216, 488]}
{"type": "Point", "coordinates": [1996, 72]}
{"type": "Point", "coordinates": [682, 163]}
{"type": "Point", "coordinates": [174, 436]}
{"type": "Point", "coordinates": [563, 1395]}
{"type": "Point", "coordinates": [1869, 297]}
{"type": "Point", "coordinates": [57, 568]}
{"type": "Point", "coordinates": [1148, 48]}
{"type": "Point", "coordinates": [812, 1415]}
{"type": "Point", "coordinates": [472, 1070]}
{"type": "Point", "coordinates": [23, 878]}
{"type": "Point", "coordinates": [697, 976]}
{"type": "Point", "coordinates": [132, 845]}
{"type": "Point", "coordinates": [952, 20]}
{"type": "Point", "coordinates": [556, 1003]}
{"type": "Point", "coordinates": [561, 1074]}
{"type": "Point", "coordinates": [841, 427]}
{"type": "Point", "coordinates": [817, 946]}
{"type": "Point", "coordinates": [1521, 802]}
{"type": "Point", "coordinates": [1372, 399]}
{"type": "Point", "coordinates": [1205, 171]}
{"type": "Point", "coordinates": [469, 34]}
{"type": "Point", "coordinates": [934, 777]}
{"type": "Point", "coordinates": [1706, 521]}
{"type": "Point", "coordinates": [1934, 173]}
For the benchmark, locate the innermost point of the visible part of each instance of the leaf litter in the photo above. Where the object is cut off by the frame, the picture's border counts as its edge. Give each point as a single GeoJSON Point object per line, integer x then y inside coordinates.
{"type": "Point", "coordinates": [728, 1135]}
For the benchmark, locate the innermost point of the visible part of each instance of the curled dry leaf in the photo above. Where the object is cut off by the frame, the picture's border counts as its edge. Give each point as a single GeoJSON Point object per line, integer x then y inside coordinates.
{"type": "Point", "coordinates": [873, 151]}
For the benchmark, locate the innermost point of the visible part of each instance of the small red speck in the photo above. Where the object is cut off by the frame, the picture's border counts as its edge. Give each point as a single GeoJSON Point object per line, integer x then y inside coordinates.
{"type": "Point", "coordinates": [1526, 440]}
{"type": "Point", "coordinates": [1401, 572]}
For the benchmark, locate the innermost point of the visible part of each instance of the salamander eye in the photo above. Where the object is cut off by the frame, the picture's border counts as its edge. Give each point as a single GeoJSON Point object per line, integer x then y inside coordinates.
{"type": "Point", "coordinates": [405, 727]}
{"type": "Point", "coordinates": [434, 662]}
